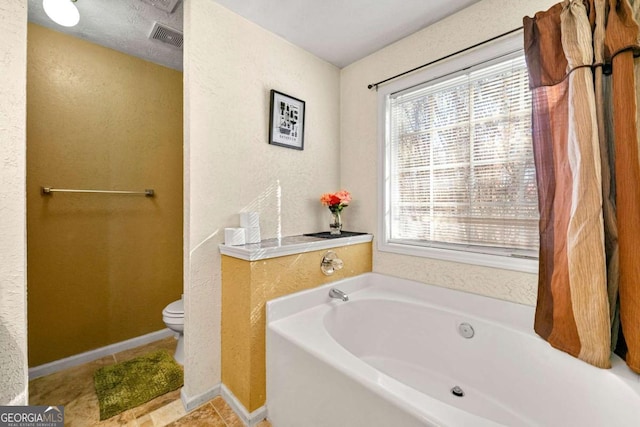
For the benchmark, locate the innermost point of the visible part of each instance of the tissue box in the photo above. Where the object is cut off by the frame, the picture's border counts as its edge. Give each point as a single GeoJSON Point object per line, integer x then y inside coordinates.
{"type": "Point", "coordinates": [234, 236]}
{"type": "Point", "coordinates": [249, 220]}
{"type": "Point", "coordinates": [252, 234]}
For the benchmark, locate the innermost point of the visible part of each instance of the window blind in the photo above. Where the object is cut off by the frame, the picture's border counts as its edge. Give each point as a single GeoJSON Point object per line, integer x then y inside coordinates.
{"type": "Point", "coordinates": [461, 162]}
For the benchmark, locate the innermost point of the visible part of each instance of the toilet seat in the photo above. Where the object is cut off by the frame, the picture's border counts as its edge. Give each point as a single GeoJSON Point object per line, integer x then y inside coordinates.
{"type": "Point", "coordinates": [174, 310]}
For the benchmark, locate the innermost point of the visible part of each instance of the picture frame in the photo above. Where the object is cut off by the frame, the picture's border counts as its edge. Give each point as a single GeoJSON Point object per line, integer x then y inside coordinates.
{"type": "Point", "coordinates": [286, 121]}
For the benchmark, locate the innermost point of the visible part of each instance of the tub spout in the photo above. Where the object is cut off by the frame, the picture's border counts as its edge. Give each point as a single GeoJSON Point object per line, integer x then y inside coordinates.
{"type": "Point", "coordinates": [337, 293]}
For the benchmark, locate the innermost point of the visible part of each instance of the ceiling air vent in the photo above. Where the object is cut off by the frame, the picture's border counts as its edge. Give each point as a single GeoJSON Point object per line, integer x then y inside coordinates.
{"type": "Point", "coordinates": [167, 35]}
{"type": "Point", "coordinates": [167, 5]}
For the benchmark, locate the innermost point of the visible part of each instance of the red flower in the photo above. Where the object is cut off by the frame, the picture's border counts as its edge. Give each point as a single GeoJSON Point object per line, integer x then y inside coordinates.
{"type": "Point", "coordinates": [336, 201]}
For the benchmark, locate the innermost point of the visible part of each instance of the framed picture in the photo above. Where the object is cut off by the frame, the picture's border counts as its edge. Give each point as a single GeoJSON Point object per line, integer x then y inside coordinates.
{"type": "Point", "coordinates": [286, 125]}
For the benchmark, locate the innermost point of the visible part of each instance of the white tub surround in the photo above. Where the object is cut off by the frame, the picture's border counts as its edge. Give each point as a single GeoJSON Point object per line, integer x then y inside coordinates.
{"type": "Point", "coordinates": [290, 245]}
{"type": "Point", "coordinates": [394, 352]}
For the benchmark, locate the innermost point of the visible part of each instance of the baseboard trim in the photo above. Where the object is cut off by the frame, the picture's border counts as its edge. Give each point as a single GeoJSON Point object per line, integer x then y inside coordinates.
{"type": "Point", "coordinates": [249, 419]}
{"type": "Point", "coordinates": [191, 403]}
{"type": "Point", "coordinates": [89, 356]}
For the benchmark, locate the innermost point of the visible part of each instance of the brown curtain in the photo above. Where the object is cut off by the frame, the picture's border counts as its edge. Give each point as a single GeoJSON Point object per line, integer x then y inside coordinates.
{"type": "Point", "coordinates": [581, 68]}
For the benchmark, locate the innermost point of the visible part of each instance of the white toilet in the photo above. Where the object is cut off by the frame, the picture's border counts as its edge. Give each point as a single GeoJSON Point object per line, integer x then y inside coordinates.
{"type": "Point", "coordinates": [173, 317]}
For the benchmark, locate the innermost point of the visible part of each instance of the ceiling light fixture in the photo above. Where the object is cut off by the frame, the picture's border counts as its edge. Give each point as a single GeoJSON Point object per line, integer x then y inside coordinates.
{"type": "Point", "coordinates": [63, 12]}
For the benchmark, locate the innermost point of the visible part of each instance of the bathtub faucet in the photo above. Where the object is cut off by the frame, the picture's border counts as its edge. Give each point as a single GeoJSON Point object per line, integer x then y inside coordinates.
{"type": "Point", "coordinates": [337, 293]}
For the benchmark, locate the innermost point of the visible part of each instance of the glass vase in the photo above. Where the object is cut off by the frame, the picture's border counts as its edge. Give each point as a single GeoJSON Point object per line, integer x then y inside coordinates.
{"type": "Point", "coordinates": [336, 223]}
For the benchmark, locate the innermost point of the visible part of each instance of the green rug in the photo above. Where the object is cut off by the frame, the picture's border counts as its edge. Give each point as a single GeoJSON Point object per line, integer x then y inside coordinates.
{"type": "Point", "coordinates": [131, 383]}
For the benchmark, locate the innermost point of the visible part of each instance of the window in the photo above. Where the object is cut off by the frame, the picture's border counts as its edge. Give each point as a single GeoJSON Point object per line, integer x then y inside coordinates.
{"type": "Point", "coordinates": [459, 176]}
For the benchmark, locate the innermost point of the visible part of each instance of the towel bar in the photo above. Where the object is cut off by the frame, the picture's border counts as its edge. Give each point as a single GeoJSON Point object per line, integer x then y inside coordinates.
{"type": "Point", "coordinates": [48, 190]}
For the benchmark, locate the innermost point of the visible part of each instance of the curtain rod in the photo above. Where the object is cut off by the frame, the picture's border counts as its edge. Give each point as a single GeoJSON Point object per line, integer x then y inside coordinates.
{"type": "Point", "coordinates": [375, 85]}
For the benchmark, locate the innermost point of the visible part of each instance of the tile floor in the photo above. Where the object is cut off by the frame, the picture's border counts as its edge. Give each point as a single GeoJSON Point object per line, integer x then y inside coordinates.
{"type": "Point", "coordinates": [74, 389]}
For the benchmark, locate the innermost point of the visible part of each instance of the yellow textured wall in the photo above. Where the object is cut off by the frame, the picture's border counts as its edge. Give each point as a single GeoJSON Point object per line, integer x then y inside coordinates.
{"type": "Point", "coordinates": [246, 287]}
{"type": "Point", "coordinates": [101, 267]}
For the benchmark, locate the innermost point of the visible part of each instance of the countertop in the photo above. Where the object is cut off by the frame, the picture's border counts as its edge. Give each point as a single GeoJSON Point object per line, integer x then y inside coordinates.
{"type": "Point", "coordinates": [290, 245]}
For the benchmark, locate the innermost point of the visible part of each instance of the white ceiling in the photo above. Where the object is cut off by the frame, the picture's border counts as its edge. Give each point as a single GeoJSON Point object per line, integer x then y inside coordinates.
{"type": "Point", "coordinates": [339, 31]}
{"type": "Point", "coordinates": [123, 25]}
{"type": "Point", "coordinates": [343, 31]}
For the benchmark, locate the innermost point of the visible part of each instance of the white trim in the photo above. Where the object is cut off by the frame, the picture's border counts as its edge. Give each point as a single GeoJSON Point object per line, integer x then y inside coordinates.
{"type": "Point", "coordinates": [249, 419]}
{"type": "Point", "coordinates": [499, 48]}
{"type": "Point", "coordinates": [89, 356]}
{"type": "Point", "coordinates": [191, 403]}
{"type": "Point", "coordinates": [487, 260]}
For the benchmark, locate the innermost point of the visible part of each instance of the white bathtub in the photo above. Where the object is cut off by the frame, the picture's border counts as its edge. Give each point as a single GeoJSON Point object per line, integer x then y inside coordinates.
{"type": "Point", "coordinates": [391, 355]}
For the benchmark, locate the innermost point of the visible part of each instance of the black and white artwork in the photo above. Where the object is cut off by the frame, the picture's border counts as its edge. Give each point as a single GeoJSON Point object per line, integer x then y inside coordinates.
{"type": "Point", "coordinates": [286, 127]}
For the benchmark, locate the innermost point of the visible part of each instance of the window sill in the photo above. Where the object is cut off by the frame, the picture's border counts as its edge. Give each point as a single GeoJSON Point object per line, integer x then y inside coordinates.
{"type": "Point", "coordinates": [524, 265]}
